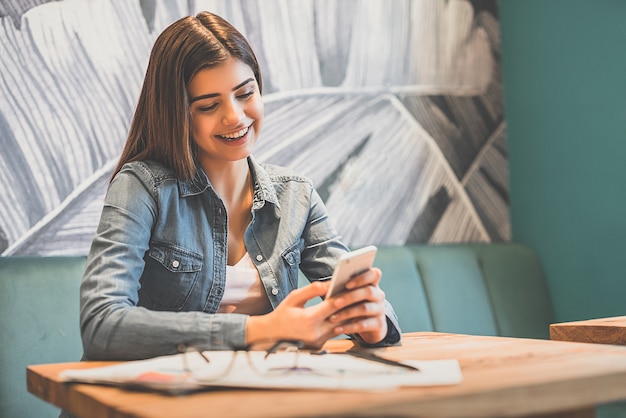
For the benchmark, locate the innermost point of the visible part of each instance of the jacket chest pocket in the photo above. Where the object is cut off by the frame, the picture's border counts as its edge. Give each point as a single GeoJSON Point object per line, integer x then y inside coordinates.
{"type": "Point", "coordinates": [291, 260]}
{"type": "Point", "coordinates": [169, 277]}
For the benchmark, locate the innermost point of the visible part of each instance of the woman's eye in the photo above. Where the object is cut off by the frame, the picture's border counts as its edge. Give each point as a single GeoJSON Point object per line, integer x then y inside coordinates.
{"type": "Point", "coordinates": [206, 109]}
{"type": "Point", "coordinates": [246, 95]}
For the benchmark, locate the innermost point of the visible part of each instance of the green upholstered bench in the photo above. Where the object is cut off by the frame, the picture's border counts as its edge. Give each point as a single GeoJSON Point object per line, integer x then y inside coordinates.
{"type": "Point", "coordinates": [488, 289]}
{"type": "Point", "coordinates": [39, 298]}
{"type": "Point", "coordinates": [483, 289]}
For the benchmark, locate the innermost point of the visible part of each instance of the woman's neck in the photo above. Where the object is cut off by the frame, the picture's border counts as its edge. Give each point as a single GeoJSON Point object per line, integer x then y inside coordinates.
{"type": "Point", "coordinates": [230, 179]}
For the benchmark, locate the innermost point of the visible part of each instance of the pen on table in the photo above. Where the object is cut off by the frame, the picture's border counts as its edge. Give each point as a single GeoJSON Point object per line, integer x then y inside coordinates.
{"type": "Point", "coordinates": [373, 357]}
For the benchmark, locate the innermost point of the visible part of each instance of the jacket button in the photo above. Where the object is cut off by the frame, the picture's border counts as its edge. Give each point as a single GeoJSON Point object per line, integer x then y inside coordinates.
{"type": "Point", "coordinates": [274, 291]}
{"type": "Point", "coordinates": [259, 257]}
{"type": "Point", "coordinates": [175, 264]}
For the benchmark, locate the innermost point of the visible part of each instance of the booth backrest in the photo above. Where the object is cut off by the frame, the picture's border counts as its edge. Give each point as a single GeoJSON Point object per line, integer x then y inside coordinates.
{"type": "Point", "coordinates": [484, 289]}
{"type": "Point", "coordinates": [38, 324]}
{"type": "Point", "coordinates": [488, 289]}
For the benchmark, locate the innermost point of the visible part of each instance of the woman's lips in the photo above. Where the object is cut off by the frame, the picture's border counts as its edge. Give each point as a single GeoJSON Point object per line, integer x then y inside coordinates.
{"type": "Point", "coordinates": [235, 135]}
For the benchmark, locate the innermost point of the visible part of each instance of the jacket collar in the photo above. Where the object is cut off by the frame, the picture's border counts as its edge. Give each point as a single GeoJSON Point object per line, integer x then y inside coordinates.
{"type": "Point", "coordinates": [263, 189]}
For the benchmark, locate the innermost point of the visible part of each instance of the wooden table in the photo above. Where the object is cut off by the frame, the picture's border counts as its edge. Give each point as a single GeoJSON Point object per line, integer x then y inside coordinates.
{"type": "Point", "coordinates": [600, 331]}
{"type": "Point", "coordinates": [501, 377]}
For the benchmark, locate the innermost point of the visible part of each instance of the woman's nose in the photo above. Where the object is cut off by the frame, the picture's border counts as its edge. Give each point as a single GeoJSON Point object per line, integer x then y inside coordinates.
{"type": "Point", "coordinates": [233, 112]}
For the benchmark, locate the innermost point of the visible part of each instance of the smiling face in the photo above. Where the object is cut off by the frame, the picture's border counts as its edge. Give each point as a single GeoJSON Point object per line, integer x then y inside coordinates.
{"type": "Point", "coordinates": [227, 112]}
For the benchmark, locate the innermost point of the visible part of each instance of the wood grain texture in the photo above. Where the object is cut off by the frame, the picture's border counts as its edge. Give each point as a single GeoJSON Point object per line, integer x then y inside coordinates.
{"type": "Point", "coordinates": [501, 377]}
{"type": "Point", "coordinates": [601, 331]}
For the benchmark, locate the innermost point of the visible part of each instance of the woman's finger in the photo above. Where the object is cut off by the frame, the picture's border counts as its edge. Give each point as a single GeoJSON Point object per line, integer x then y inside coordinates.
{"type": "Point", "coordinates": [361, 294]}
{"type": "Point", "coordinates": [299, 297]}
{"type": "Point", "coordinates": [360, 310]}
{"type": "Point", "coordinates": [370, 277]}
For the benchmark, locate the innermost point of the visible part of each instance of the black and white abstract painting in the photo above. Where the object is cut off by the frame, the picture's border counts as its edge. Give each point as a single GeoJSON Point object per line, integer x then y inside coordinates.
{"type": "Point", "coordinates": [394, 108]}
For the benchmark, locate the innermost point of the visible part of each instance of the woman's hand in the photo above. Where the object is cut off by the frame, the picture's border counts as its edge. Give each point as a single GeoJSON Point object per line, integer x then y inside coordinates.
{"type": "Point", "coordinates": [292, 320]}
{"type": "Point", "coordinates": [359, 310]}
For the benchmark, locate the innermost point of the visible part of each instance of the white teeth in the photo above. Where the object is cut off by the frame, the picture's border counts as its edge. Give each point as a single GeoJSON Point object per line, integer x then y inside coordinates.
{"type": "Point", "coordinates": [237, 134]}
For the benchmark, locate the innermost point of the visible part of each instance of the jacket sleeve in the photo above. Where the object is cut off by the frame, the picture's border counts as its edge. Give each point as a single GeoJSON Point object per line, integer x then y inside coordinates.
{"type": "Point", "coordinates": [113, 327]}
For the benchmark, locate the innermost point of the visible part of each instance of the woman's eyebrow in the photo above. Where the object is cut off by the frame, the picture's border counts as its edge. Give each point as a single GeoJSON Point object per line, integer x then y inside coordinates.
{"type": "Point", "coordinates": [207, 96]}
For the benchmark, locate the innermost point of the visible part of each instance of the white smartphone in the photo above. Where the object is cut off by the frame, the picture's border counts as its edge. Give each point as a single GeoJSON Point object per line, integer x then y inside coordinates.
{"type": "Point", "coordinates": [349, 265]}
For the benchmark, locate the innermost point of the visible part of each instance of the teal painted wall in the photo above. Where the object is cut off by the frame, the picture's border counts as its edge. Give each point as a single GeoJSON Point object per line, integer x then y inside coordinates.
{"type": "Point", "coordinates": [564, 69]}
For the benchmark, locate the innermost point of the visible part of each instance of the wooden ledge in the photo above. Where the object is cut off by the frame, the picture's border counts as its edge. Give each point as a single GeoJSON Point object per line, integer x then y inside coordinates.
{"type": "Point", "coordinates": [601, 331]}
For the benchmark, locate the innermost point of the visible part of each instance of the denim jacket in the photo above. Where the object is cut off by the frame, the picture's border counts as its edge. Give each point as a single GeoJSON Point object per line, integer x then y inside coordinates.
{"type": "Point", "coordinates": [156, 269]}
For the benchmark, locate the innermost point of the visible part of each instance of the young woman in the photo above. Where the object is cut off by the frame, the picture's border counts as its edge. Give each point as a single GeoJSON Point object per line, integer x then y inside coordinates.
{"type": "Point", "coordinates": [198, 243]}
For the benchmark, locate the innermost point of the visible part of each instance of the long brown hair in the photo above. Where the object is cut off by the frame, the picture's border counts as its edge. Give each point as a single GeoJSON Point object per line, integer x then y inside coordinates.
{"type": "Point", "coordinates": [160, 129]}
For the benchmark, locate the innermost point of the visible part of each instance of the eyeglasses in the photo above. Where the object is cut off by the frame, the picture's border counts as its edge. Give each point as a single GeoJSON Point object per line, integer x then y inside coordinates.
{"type": "Point", "coordinates": [286, 346]}
{"type": "Point", "coordinates": [280, 360]}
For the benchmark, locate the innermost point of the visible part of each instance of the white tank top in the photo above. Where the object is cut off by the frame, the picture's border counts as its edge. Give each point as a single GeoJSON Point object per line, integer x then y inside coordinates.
{"type": "Point", "coordinates": [244, 291]}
